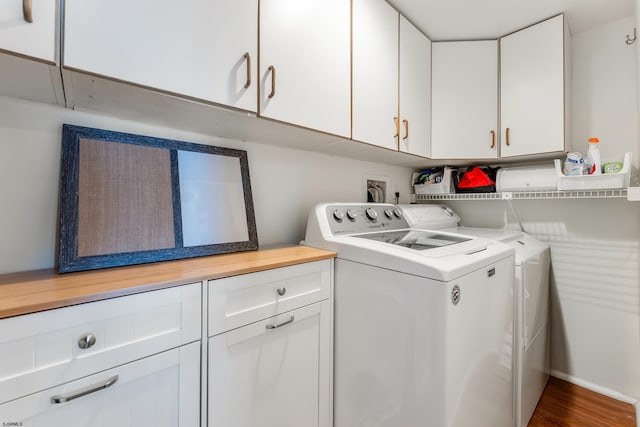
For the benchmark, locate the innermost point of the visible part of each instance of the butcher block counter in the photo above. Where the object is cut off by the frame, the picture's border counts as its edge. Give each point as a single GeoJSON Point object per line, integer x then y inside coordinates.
{"type": "Point", "coordinates": [33, 291]}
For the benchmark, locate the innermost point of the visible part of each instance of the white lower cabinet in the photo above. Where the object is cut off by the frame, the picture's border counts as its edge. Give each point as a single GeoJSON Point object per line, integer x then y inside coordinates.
{"type": "Point", "coordinates": [129, 361]}
{"type": "Point", "coordinates": [157, 391]}
{"type": "Point", "coordinates": [266, 374]}
{"type": "Point", "coordinates": [275, 368]}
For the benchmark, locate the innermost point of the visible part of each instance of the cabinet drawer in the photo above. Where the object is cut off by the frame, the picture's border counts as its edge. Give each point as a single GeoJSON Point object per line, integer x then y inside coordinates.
{"type": "Point", "coordinates": [240, 300]}
{"type": "Point", "coordinates": [44, 349]}
{"type": "Point", "coordinates": [157, 391]}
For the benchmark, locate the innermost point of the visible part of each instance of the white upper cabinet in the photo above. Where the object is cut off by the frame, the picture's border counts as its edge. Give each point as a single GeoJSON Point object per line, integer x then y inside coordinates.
{"type": "Point", "coordinates": [29, 51]}
{"type": "Point", "coordinates": [415, 90]}
{"type": "Point", "coordinates": [305, 63]}
{"type": "Point", "coordinates": [532, 99]}
{"type": "Point", "coordinates": [29, 30]}
{"type": "Point", "coordinates": [204, 49]}
{"type": "Point", "coordinates": [465, 100]}
{"type": "Point", "coordinates": [375, 73]}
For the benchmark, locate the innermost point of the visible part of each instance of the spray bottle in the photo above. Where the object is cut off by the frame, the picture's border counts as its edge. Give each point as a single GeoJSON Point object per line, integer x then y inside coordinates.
{"type": "Point", "coordinates": [593, 157]}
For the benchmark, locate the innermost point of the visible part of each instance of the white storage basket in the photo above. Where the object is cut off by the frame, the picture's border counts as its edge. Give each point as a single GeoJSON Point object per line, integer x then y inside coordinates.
{"type": "Point", "coordinates": [595, 182]}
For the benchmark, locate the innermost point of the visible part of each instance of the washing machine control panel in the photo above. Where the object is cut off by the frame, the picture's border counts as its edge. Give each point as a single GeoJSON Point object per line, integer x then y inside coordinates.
{"type": "Point", "coordinates": [351, 219]}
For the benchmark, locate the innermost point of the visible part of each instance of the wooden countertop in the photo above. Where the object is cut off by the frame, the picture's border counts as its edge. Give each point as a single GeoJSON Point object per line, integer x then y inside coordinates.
{"type": "Point", "coordinates": [32, 291]}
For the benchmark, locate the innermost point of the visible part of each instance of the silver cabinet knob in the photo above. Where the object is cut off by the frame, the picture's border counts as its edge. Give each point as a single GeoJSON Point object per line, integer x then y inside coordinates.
{"type": "Point", "coordinates": [86, 341]}
{"type": "Point", "coordinates": [282, 290]}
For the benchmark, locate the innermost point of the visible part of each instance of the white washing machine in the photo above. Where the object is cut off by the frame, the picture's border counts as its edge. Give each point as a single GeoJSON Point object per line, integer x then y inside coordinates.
{"type": "Point", "coordinates": [421, 321]}
{"type": "Point", "coordinates": [531, 301]}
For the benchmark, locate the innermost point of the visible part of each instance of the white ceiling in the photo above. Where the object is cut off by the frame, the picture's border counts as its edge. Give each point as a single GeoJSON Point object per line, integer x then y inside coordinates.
{"type": "Point", "coordinates": [489, 19]}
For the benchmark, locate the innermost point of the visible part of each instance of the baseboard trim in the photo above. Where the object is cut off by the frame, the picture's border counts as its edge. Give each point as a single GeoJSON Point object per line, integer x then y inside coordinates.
{"type": "Point", "coordinates": [598, 389]}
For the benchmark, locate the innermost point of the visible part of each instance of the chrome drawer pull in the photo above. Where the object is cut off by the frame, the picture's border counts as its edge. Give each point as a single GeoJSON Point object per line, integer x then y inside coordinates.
{"type": "Point", "coordinates": [280, 324]}
{"type": "Point", "coordinates": [86, 341]}
{"type": "Point", "coordinates": [61, 398]}
{"type": "Point", "coordinates": [282, 290]}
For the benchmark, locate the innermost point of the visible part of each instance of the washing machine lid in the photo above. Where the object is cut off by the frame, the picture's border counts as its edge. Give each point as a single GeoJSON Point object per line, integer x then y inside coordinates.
{"type": "Point", "coordinates": [420, 240]}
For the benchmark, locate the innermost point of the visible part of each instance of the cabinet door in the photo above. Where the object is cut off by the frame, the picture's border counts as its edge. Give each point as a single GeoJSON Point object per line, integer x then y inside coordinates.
{"type": "Point", "coordinates": [162, 390]}
{"type": "Point", "coordinates": [415, 90]}
{"type": "Point", "coordinates": [375, 73]}
{"type": "Point", "coordinates": [273, 373]}
{"type": "Point", "coordinates": [305, 63]}
{"type": "Point", "coordinates": [465, 100]}
{"type": "Point", "coordinates": [36, 39]}
{"type": "Point", "coordinates": [198, 48]}
{"type": "Point", "coordinates": [532, 89]}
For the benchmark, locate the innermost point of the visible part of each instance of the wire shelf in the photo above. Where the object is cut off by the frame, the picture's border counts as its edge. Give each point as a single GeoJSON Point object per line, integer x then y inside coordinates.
{"type": "Point", "coordinates": [529, 195]}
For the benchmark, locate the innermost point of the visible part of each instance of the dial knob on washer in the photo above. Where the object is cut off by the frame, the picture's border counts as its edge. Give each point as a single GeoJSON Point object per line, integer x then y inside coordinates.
{"type": "Point", "coordinates": [351, 214]}
{"type": "Point", "coordinates": [398, 213]}
{"type": "Point", "coordinates": [371, 213]}
{"type": "Point", "coordinates": [388, 213]}
{"type": "Point", "coordinates": [338, 215]}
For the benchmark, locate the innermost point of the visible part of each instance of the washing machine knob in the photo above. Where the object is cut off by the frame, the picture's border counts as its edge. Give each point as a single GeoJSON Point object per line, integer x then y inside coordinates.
{"type": "Point", "coordinates": [371, 213]}
{"type": "Point", "coordinates": [338, 215]}
{"type": "Point", "coordinates": [351, 214]}
{"type": "Point", "coordinates": [398, 213]}
{"type": "Point", "coordinates": [388, 213]}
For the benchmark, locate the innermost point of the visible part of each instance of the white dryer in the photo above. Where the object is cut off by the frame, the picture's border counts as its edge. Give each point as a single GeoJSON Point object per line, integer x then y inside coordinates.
{"type": "Point", "coordinates": [421, 321]}
{"type": "Point", "coordinates": [531, 300]}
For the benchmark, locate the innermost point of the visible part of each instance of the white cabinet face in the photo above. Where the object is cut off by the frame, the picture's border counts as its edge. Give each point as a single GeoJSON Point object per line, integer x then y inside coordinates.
{"type": "Point", "coordinates": [415, 90]}
{"type": "Point", "coordinates": [532, 89]}
{"type": "Point", "coordinates": [35, 39]}
{"type": "Point", "coordinates": [45, 349]}
{"type": "Point", "coordinates": [375, 73]}
{"type": "Point", "coordinates": [199, 48]}
{"type": "Point", "coordinates": [465, 100]}
{"type": "Point", "coordinates": [159, 391]}
{"type": "Point", "coordinates": [305, 63]}
{"type": "Point", "coordinates": [272, 373]}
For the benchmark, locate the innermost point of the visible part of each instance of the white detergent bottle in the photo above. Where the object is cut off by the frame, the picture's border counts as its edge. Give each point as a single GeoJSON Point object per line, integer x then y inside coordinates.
{"type": "Point", "coordinates": [593, 157]}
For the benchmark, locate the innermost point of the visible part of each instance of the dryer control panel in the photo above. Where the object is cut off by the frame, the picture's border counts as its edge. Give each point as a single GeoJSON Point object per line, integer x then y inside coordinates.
{"type": "Point", "coordinates": [367, 217]}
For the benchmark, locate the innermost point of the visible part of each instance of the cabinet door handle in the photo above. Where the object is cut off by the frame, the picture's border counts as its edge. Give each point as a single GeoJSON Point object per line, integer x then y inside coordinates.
{"type": "Point", "coordinates": [27, 10]}
{"type": "Point", "coordinates": [396, 121]}
{"type": "Point", "coordinates": [282, 290]}
{"type": "Point", "coordinates": [281, 324]}
{"type": "Point", "coordinates": [493, 138]}
{"type": "Point", "coordinates": [272, 69]}
{"type": "Point", "coordinates": [406, 128]}
{"type": "Point", "coordinates": [247, 57]}
{"type": "Point", "coordinates": [507, 135]}
{"type": "Point", "coordinates": [61, 398]}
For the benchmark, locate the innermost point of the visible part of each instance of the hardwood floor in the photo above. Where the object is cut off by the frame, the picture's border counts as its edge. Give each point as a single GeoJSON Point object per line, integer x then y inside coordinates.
{"type": "Point", "coordinates": [567, 405]}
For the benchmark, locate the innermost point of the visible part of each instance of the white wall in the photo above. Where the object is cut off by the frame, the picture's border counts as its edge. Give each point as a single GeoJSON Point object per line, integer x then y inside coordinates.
{"type": "Point", "coordinates": [285, 182]}
{"type": "Point", "coordinates": [604, 90]}
{"type": "Point", "coordinates": [595, 248]}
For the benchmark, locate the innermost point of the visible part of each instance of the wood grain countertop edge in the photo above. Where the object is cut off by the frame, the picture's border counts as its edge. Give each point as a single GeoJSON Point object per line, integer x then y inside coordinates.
{"type": "Point", "coordinates": [33, 291]}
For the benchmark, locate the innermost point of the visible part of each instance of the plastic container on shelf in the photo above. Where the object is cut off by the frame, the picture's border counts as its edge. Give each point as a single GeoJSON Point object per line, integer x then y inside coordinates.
{"type": "Point", "coordinates": [445, 186]}
{"type": "Point", "coordinates": [594, 166]}
{"type": "Point", "coordinates": [527, 178]}
{"type": "Point", "coordinates": [595, 182]}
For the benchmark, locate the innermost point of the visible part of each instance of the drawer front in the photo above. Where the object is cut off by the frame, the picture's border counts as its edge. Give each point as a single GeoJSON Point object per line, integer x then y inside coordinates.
{"type": "Point", "coordinates": [240, 300]}
{"type": "Point", "coordinates": [157, 391]}
{"type": "Point", "coordinates": [44, 349]}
